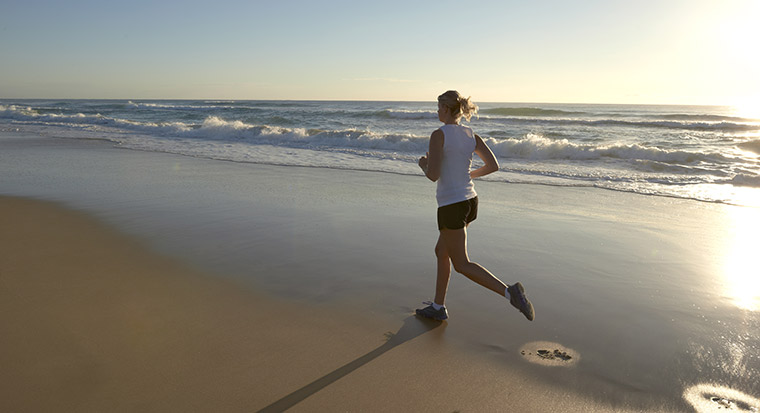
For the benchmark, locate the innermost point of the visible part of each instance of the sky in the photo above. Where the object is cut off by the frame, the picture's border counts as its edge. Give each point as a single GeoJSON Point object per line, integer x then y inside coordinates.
{"type": "Point", "coordinates": [586, 51]}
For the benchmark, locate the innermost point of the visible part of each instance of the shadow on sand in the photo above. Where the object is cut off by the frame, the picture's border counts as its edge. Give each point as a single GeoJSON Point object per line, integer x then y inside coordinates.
{"type": "Point", "coordinates": [413, 327]}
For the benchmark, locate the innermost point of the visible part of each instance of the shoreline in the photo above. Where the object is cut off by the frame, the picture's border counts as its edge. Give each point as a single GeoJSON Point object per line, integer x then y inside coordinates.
{"type": "Point", "coordinates": [352, 245]}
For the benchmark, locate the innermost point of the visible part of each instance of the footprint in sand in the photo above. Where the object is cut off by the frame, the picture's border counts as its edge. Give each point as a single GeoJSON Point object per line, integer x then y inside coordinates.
{"type": "Point", "coordinates": [548, 353]}
{"type": "Point", "coordinates": [712, 398]}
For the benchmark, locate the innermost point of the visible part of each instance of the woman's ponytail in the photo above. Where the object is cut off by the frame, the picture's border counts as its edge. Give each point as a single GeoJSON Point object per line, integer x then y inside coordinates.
{"type": "Point", "coordinates": [468, 108]}
{"type": "Point", "coordinates": [458, 104]}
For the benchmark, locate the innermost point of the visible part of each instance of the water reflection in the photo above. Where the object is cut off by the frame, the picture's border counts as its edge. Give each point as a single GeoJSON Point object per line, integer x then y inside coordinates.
{"type": "Point", "coordinates": [711, 398]}
{"type": "Point", "coordinates": [740, 269]}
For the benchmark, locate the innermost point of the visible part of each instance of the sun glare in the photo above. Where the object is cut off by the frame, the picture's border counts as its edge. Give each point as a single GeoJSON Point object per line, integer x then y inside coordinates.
{"type": "Point", "coordinates": [735, 40]}
{"type": "Point", "coordinates": [748, 108]}
{"type": "Point", "coordinates": [740, 266]}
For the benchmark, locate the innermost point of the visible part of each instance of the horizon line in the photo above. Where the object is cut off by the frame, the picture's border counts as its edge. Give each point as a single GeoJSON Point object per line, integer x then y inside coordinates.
{"type": "Point", "coordinates": [373, 100]}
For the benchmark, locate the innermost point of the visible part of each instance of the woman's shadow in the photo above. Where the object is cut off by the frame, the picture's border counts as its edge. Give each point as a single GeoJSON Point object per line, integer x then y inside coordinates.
{"type": "Point", "coordinates": [413, 327]}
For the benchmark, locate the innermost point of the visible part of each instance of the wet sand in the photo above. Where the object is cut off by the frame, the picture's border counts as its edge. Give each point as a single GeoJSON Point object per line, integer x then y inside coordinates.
{"type": "Point", "coordinates": [157, 282]}
{"type": "Point", "coordinates": [92, 321]}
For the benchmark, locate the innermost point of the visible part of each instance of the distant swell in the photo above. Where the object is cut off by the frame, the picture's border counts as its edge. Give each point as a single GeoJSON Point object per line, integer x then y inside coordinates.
{"type": "Point", "coordinates": [208, 105]}
{"type": "Point", "coordinates": [528, 112]}
{"type": "Point", "coordinates": [407, 114]}
{"type": "Point", "coordinates": [705, 118]}
{"type": "Point", "coordinates": [139, 105]}
{"type": "Point", "coordinates": [657, 124]}
{"type": "Point", "coordinates": [549, 113]}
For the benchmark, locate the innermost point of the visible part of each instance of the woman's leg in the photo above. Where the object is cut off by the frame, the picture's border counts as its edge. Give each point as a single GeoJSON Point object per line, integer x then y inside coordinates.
{"type": "Point", "coordinates": [455, 241]}
{"type": "Point", "coordinates": [443, 271]}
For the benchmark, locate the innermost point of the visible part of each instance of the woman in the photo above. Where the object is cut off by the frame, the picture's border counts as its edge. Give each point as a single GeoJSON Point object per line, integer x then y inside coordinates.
{"type": "Point", "coordinates": [448, 162]}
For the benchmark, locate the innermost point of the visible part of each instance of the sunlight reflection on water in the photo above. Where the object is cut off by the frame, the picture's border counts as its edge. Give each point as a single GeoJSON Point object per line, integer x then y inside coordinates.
{"type": "Point", "coordinates": [740, 269]}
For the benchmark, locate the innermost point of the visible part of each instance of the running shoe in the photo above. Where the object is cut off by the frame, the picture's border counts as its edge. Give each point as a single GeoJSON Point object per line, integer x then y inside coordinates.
{"type": "Point", "coordinates": [430, 312]}
{"type": "Point", "coordinates": [520, 301]}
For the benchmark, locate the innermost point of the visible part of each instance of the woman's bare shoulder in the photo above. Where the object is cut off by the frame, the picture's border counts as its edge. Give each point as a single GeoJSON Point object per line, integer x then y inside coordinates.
{"type": "Point", "coordinates": [436, 136]}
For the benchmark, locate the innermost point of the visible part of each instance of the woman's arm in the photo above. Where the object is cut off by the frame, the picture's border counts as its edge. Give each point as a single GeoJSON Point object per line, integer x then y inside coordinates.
{"type": "Point", "coordinates": [431, 163]}
{"type": "Point", "coordinates": [484, 152]}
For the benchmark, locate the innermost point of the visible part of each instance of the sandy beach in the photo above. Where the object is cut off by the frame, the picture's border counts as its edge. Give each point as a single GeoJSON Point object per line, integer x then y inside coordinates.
{"type": "Point", "coordinates": [142, 281]}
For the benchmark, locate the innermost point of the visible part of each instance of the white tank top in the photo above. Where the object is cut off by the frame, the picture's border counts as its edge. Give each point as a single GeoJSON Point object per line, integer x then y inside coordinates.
{"type": "Point", "coordinates": [455, 184]}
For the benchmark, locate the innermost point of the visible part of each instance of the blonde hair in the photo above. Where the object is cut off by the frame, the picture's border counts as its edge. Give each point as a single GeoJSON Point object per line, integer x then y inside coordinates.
{"type": "Point", "coordinates": [458, 104]}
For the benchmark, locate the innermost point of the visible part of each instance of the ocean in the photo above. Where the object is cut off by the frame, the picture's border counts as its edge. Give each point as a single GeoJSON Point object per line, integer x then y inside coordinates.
{"type": "Point", "coordinates": [705, 153]}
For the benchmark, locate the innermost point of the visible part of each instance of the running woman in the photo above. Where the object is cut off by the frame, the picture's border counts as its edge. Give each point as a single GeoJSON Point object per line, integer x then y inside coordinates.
{"type": "Point", "coordinates": [448, 162]}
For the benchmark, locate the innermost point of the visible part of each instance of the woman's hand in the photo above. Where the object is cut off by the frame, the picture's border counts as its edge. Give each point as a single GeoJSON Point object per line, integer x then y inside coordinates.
{"type": "Point", "coordinates": [423, 162]}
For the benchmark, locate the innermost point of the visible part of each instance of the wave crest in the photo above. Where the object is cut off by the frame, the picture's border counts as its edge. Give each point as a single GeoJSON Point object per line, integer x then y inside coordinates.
{"type": "Point", "coordinates": [537, 147]}
{"type": "Point", "coordinates": [167, 106]}
{"type": "Point", "coordinates": [216, 128]}
{"type": "Point", "coordinates": [705, 117]}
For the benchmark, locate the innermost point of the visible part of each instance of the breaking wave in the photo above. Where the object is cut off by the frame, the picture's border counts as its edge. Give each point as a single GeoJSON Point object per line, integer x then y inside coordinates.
{"type": "Point", "coordinates": [537, 147]}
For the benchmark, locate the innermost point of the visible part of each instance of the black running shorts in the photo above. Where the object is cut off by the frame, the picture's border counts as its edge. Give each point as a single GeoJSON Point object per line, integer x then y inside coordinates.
{"type": "Point", "coordinates": [457, 216]}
